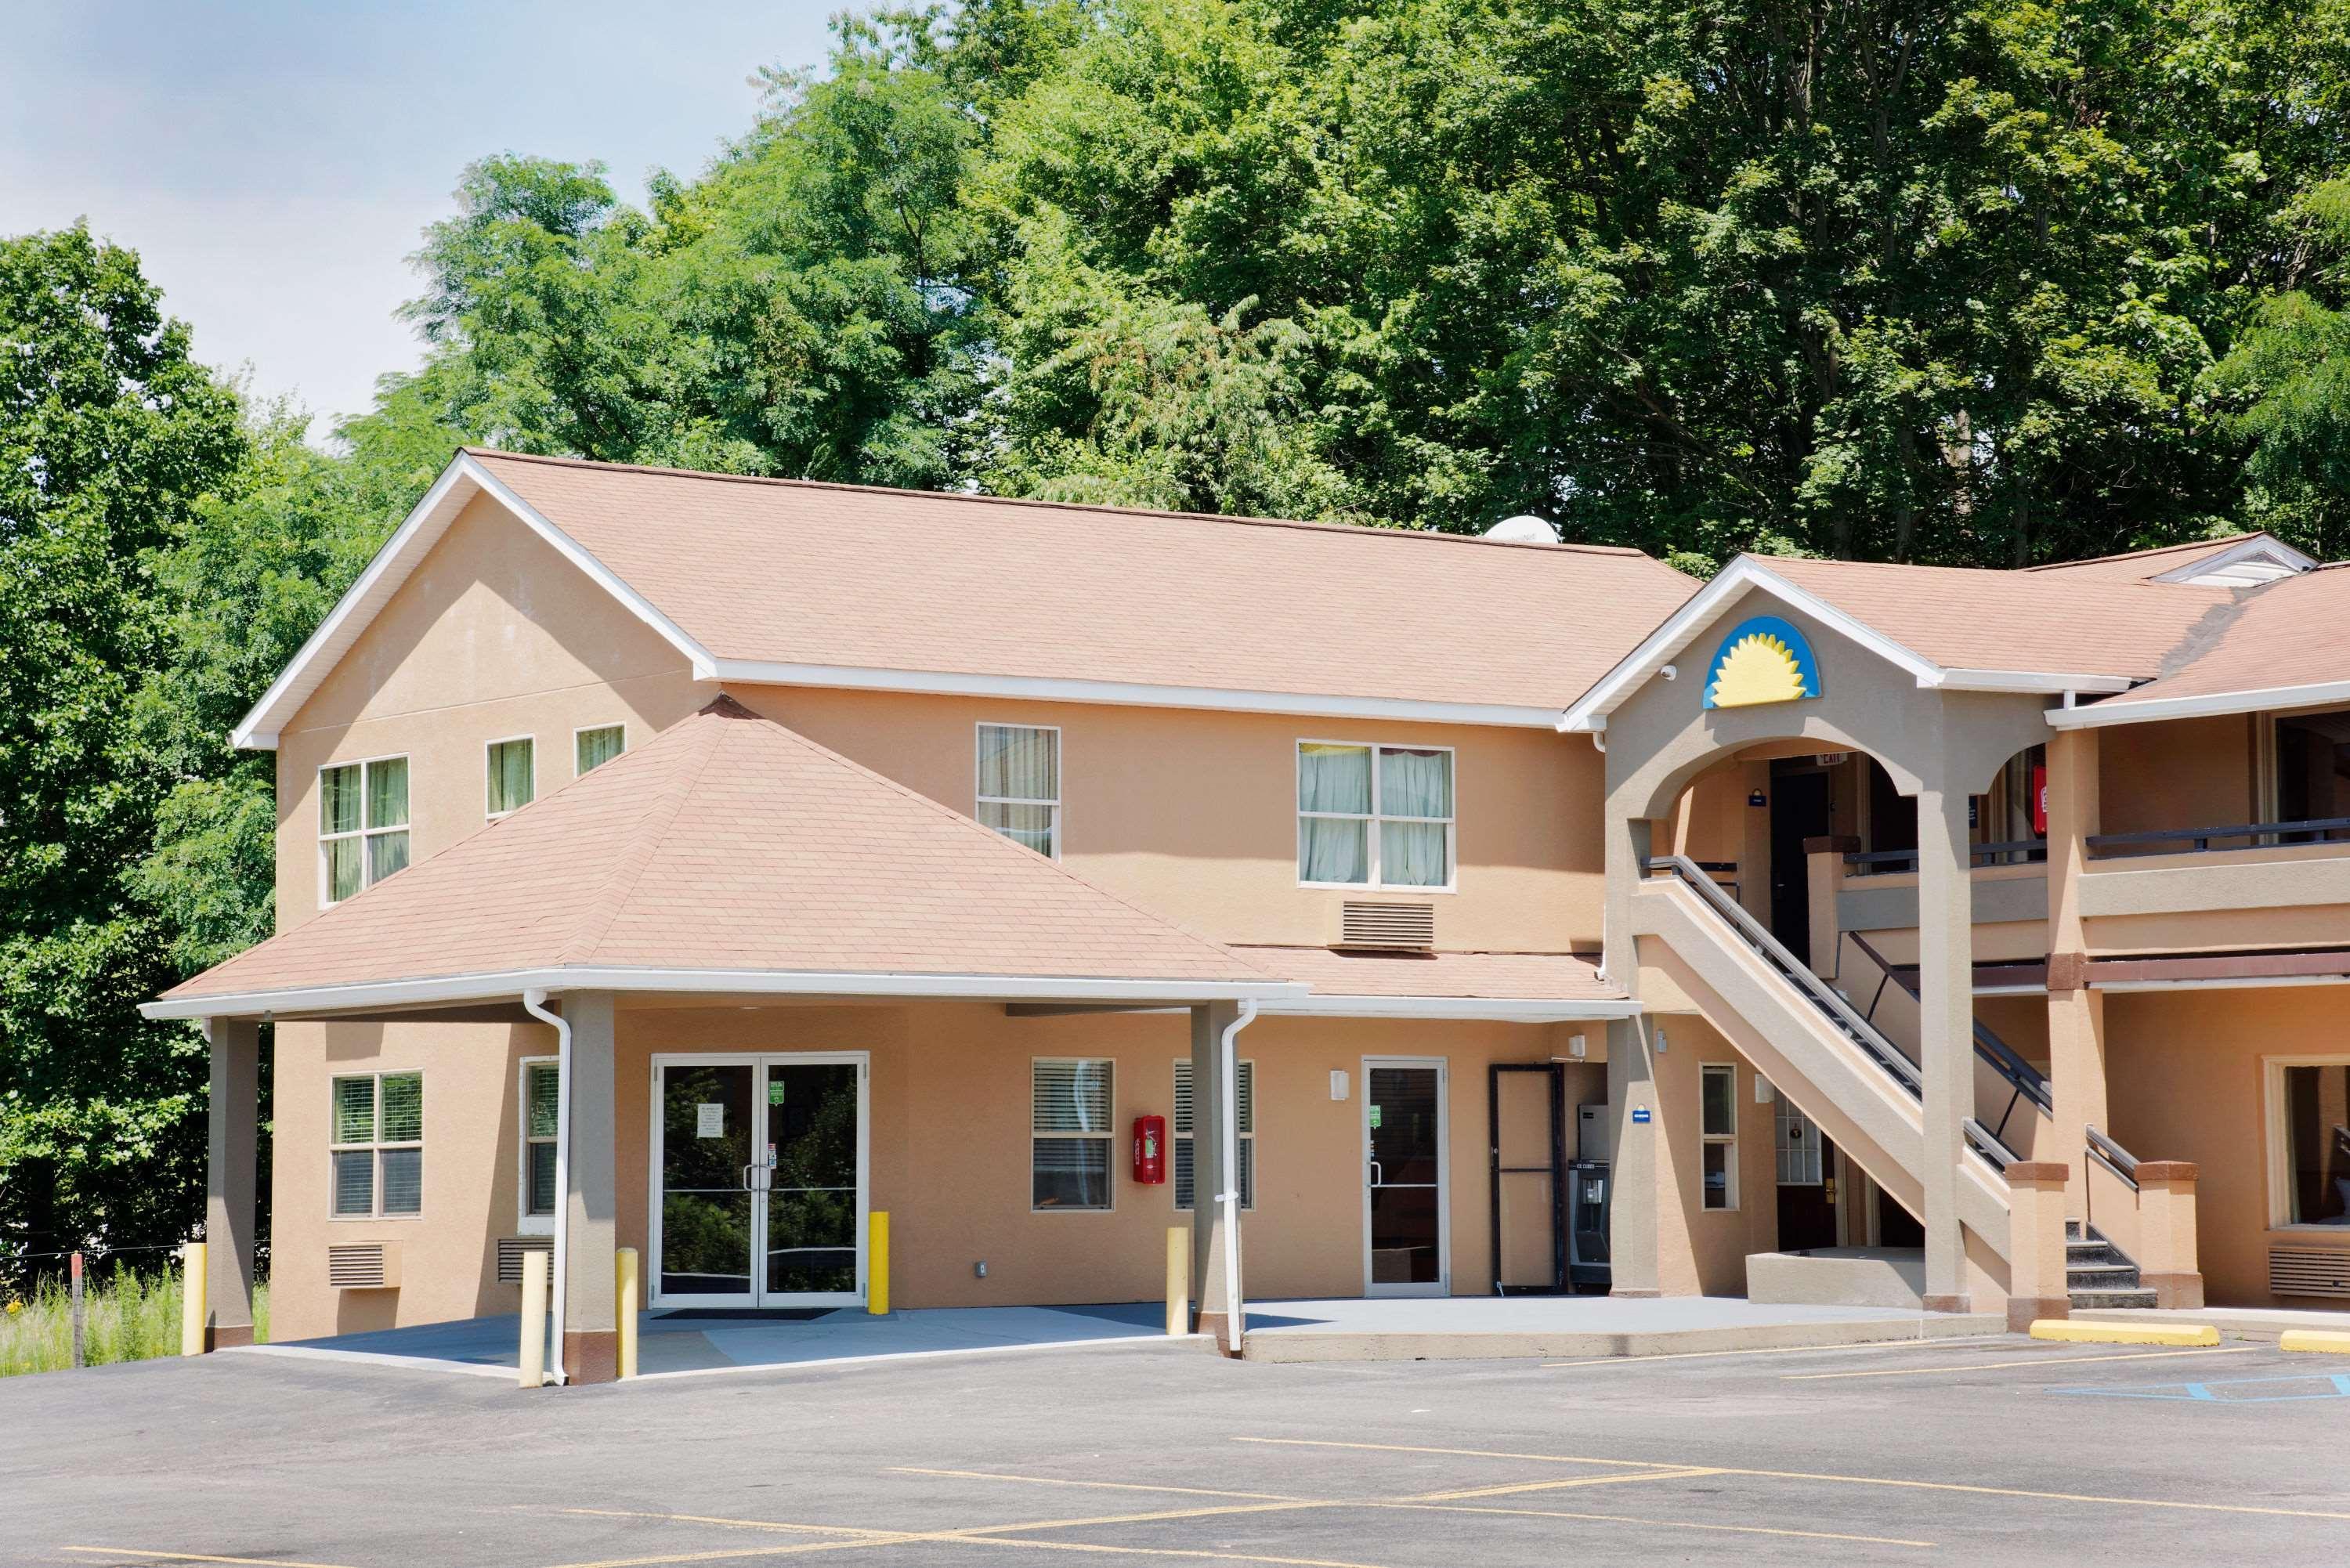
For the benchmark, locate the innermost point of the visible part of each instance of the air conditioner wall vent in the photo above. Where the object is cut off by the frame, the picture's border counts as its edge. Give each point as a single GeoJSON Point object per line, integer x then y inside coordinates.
{"type": "Point", "coordinates": [1392, 927]}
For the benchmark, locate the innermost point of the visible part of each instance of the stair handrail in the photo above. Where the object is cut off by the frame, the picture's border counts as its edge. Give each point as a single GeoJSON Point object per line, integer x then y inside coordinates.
{"type": "Point", "coordinates": [2021, 1075]}
{"type": "Point", "coordinates": [1987, 1144]}
{"type": "Point", "coordinates": [1863, 1033]}
{"type": "Point", "coordinates": [2113, 1157]}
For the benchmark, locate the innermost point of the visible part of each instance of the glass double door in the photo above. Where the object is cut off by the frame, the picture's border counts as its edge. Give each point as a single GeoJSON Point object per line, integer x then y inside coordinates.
{"type": "Point", "coordinates": [1405, 1228]}
{"type": "Point", "coordinates": [760, 1180]}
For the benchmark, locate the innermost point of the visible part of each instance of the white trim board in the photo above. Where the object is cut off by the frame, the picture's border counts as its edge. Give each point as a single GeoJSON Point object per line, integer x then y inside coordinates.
{"type": "Point", "coordinates": [1497, 1008]}
{"type": "Point", "coordinates": [1589, 711]}
{"type": "Point", "coordinates": [509, 983]}
{"type": "Point", "coordinates": [2262, 700]}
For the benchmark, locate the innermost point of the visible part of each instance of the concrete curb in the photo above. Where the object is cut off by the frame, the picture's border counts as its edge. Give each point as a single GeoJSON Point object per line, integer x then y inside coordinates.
{"type": "Point", "coordinates": [1307, 1345]}
{"type": "Point", "coordinates": [2311, 1339]}
{"type": "Point", "coordinates": [2066, 1331]}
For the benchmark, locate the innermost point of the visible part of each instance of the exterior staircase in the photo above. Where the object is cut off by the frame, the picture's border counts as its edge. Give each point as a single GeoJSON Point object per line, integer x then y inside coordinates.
{"type": "Point", "coordinates": [2096, 1274]}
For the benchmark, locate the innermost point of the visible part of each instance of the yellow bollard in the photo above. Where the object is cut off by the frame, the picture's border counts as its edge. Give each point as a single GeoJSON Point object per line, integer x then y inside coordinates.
{"type": "Point", "coordinates": [877, 1264]}
{"type": "Point", "coordinates": [534, 1317]}
{"type": "Point", "coordinates": [624, 1268]}
{"type": "Point", "coordinates": [192, 1304]}
{"type": "Point", "coordinates": [1179, 1280]}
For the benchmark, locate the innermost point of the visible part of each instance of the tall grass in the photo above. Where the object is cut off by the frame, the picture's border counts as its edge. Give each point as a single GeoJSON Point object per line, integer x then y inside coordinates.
{"type": "Point", "coordinates": [127, 1316]}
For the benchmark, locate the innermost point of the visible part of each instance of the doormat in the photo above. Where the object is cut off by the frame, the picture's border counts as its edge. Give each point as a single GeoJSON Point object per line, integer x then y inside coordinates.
{"type": "Point", "coordinates": [745, 1315]}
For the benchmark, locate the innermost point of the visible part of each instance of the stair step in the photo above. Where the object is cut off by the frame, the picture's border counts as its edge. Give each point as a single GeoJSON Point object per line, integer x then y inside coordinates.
{"type": "Point", "coordinates": [2105, 1277]}
{"type": "Point", "coordinates": [2089, 1299]}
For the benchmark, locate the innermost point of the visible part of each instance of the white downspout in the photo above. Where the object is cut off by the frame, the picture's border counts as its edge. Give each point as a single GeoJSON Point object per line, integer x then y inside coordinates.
{"type": "Point", "coordinates": [535, 1003]}
{"type": "Point", "coordinates": [1231, 1197]}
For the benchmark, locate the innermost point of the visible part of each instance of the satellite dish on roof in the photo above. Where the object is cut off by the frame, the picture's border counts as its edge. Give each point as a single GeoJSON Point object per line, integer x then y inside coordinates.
{"type": "Point", "coordinates": [1523, 529]}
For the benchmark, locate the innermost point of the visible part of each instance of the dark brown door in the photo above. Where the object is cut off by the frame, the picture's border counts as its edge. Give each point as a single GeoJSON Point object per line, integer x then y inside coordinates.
{"type": "Point", "coordinates": [1807, 1194]}
{"type": "Point", "coordinates": [1799, 810]}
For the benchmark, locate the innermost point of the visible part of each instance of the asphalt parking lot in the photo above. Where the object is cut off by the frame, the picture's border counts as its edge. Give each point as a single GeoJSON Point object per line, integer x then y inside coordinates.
{"type": "Point", "coordinates": [2001, 1449]}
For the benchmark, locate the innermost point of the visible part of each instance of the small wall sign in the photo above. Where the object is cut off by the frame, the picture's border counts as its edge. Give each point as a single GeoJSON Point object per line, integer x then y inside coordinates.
{"type": "Point", "coordinates": [1640, 1116]}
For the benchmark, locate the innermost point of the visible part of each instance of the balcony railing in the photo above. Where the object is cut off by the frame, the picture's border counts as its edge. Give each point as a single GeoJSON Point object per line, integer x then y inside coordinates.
{"type": "Point", "coordinates": [1884, 862]}
{"type": "Point", "coordinates": [2237, 836]}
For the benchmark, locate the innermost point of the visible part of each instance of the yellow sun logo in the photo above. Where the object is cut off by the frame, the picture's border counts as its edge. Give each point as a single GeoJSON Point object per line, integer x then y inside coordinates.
{"type": "Point", "coordinates": [1764, 660]}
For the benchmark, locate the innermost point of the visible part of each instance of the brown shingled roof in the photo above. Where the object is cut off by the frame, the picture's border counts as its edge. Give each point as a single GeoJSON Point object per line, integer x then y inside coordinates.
{"type": "Point", "coordinates": [728, 843]}
{"type": "Point", "coordinates": [2290, 633]}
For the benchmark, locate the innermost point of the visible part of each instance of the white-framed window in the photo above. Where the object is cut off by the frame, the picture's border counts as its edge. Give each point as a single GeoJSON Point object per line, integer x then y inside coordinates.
{"type": "Point", "coordinates": [362, 824]}
{"type": "Point", "coordinates": [1019, 785]}
{"type": "Point", "coordinates": [1179, 1134]}
{"type": "Point", "coordinates": [2309, 1142]}
{"type": "Point", "coordinates": [592, 747]}
{"type": "Point", "coordinates": [511, 766]}
{"type": "Point", "coordinates": [1718, 1129]}
{"type": "Point", "coordinates": [542, 1083]}
{"type": "Point", "coordinates": [1069, 1143]}
{"type": "Point", "coordinates": [377, 1145]}
{"type": "Point", "coordinates": [1374, 817]}
{"type": "Point", "coordinates": [1802, 1161]}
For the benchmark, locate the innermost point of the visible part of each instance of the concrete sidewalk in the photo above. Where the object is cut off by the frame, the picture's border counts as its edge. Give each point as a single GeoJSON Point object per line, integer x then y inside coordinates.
{"type": "Point", "coordinates": [1439, 1328]}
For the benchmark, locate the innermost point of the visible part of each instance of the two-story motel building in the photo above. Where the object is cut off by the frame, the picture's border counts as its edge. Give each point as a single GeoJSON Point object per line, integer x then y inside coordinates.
{"type": "Point", "coordinates": [862, 850]}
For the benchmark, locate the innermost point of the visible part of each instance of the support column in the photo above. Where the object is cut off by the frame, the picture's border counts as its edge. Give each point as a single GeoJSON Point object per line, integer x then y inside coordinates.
{"type": "Point", "coordinates": [2035, 1246]}
{"type": "Point", "coordinates": [2166, 1233]}
{"type": "Point", "coordinates": [1945, 1031]}
{"type": "Point", "coordinates": [1824, 871]}
{"type": "Point", "coordinates": [229, 1180]}
{"type": "Point", "coordinates": [2076, 1015]}
{"type": "Point", "coordinates": [1754, 843]}
{"type": "Point", "coordinates": [591, 1324]}
{"type": "Point", "coordinates": [1632, 1249]}
{"type": "Point", "coordinates": [1213, 1288]}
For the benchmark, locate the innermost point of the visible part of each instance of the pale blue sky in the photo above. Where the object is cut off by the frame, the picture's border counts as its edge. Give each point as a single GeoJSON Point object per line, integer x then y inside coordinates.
{"type": "Point", "coordinates": [274, 161]}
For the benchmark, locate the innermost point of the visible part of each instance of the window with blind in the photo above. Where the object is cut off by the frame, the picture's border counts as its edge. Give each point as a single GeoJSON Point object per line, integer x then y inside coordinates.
{"type": "Point", "coordinates": [1181, 1138]}
{"type": "Point", "coordinates": [1374, 817]}
{"type": "Point", "coordinates": [1069, 1133]}
{"type": "Point", "coordinates": [362, 824]}
{"type": "Point", "coordinates": [514, 775]}
{"type": "Point", "coordinates": [591, 749]}
{"type": "Point", "coordinates": [1020, 785]}
{"type": "Point", "coordinates": [377, 1152]}
{"type": "Point", "coordinates": [542, 1082]}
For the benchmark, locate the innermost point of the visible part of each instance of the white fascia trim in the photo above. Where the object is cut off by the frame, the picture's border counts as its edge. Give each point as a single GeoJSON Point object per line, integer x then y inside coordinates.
{"type": "Point", "coordinates": [2156, 708]}
{"type": "Point", "coordinates": [2260, 545]}
{"type": "Point", "coordinates": [2038, 682]}
{"type": "Point", "coordinates": [1054, 688]}
{"type": "Point", "coordinates": [1590, 711]}
{"type": "Point", "coordinates": [1505, 1009]}
{"type": "Point", "coordinates": [258, 730]}
{"type": "Point", "coordinates": [509, 983]}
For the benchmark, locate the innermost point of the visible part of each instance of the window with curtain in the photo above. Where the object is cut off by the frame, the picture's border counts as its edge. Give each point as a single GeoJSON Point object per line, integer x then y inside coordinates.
{"type": "Point", "coordinates": [1069, 1133]}
{"type": "Point", "coordinates": [542, 1082]}
{"type": "Point", "coordinates": [1020, 785]}
{"type": "Point", "coordinates": [377, 1152]}
{"type": "Point", "coordinates": [1180, 1134]}
{"type": "Point", "coordinates": [2317, 1144]}
{"type": "Point", "coordinates": [514, 775]}
{"type": "Point", "coordinates": [591, 749]}
{"type": "Point", "coordinates": [1374, 817]}
{"type": "Point", "coordinates": [362, 824]}
{"type": "Point", "coordinates": [1718, 1129]}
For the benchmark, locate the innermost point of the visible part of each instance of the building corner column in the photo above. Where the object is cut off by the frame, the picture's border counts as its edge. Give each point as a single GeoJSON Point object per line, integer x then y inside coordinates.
{"type": "Point", "coordinates": [2076, 1015]}
{"type": "Point", "coordinates": [231, 1167]}
{"type": "Point", "coordinates": [591, 1325]}
{"type": "Point", "coordinates": [1214, 1284]}
{"type": "Point", "coordinates": [1945, 1032]}
{"type": "Point", "coordinates": [1633, 1208]}
{"type": "Point", "coordinates": [2035, 1248]}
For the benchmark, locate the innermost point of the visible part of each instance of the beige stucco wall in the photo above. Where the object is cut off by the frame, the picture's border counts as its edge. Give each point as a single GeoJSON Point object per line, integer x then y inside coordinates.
{"type": "Point", "coordinates": [2185, 772]}
{"type": "Point", "coordinates": [2186, 1081]}
{"type": "Point", "coordinates": [950, 1150]}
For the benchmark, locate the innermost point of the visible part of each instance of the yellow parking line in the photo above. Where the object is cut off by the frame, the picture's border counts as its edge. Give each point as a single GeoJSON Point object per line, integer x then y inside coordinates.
{"type": "Point", "coordinates": [1834, 1480]}
{"type": "Point", "coordinates": [1782, 1350]}
{"type": "Point", "coordinates": [720, 1520]}
{"type": "Point", "coordinates": [2013, 1361]}
{"type": "Point", "coordinates": [1652, 1523]}
{"type": "Point", "coordinates": [194, 1557]}
{"type": "Point", "coordinates": [1102, 1485]}
{"type": "Point", "coordinates": [1557, 1485]}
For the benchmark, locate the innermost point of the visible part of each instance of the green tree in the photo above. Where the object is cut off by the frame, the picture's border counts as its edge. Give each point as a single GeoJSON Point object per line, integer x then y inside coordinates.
{"type": "Point", "coordinates": [110, 437]}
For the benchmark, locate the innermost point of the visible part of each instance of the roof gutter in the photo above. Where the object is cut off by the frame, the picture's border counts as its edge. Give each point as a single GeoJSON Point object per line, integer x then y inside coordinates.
{"type": "Point", "coordinates": [535, 1003]}
{"type": "Point", "coordinates": [2155, 709]}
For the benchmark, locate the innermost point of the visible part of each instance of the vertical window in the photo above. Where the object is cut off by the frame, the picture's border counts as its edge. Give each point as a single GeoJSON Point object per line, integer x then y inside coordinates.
{"type": "Point", "coordinates": [1719, 1126]}
{"type": "Point", "coordinates": [542, 1081]}
{"type": "Point", "coordinates": [378, 1145]}
{"type": "Point", "coordinates": [1374, 817]}
{"type": "Point", "coordinates": [591, 749]}
{"type": "Point", "coordinates": [1069, 1142]}
{"type": "Point", "coordinates": [1181, 1136]}
{"type": "Point", "coordinates": [1020, 785]}
{"type": "Point", "coordinates": [514, 775]}
{"type": "Point", "coordinates": [2317, 1144]}
{"type": "Point", "coordinates": [362, 824]}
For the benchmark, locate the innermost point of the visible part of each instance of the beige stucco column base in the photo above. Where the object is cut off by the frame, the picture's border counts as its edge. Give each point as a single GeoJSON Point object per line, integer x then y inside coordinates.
{"type": "Point", "coordinates": [1958, 1302]}
{"type": "Point", "coordinates": [2166, 1241]}
{"type": "Point", "coordinates": [1218, 1326]}
{"type": "Point", "coordinates": [592, 1357]}
{"type": "Point", "coordinates": [2035, 1246]}
{"type": "Point", "coordinates": [227, 1336]}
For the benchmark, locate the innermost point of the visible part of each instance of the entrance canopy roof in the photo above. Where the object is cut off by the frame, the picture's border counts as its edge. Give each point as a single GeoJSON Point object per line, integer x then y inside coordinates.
{"type": "Point", "coordinates": [727, 855]}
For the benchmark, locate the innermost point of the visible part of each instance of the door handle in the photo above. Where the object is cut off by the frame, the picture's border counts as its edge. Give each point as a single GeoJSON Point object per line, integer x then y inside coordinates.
{"type": "Point", "coordinates": [1378, 1174]}
{"type": "Point", "coordinates": [746, 1177]}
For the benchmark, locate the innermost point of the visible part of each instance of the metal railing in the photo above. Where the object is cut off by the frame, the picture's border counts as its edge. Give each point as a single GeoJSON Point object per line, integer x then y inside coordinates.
{"type": "Point", "coordinates": [1986, 1143]}
{"type": "Point", "coordinates": [2114, 1158]}
{"type": "Point", "coordinates": [1822, 997]}
{"type": "Point", "coordinates": [2198, 840]}
{"type": "Point", "coordinates": [2028, 1082]}
{"type": "Point", "coordinates": [2012, 852]}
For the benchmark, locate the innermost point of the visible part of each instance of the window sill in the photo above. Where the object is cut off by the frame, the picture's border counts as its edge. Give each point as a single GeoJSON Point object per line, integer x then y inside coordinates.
{"type": "Point", "coordinates": [1373, 888]}
{"type": "Point", "coordinates": [373, 1219]}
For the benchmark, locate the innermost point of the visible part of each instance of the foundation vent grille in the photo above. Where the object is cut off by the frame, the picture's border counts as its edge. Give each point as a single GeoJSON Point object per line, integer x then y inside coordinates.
{"type": "Point", "coordinates": [363, 1265]}
{"type": "Point", "coordinates": [510, 1253]}
{"type": "Point", "coordinates": [2298, 1272]}
{"type": "Point", "coordinates": [1400, 928]}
